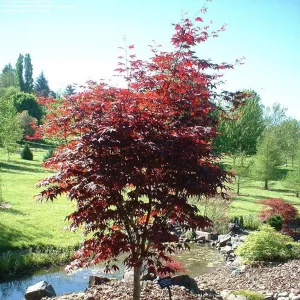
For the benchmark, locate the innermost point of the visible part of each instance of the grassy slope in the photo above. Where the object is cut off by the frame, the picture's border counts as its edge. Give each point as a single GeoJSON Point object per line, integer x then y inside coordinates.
{"type": "Point", "coordinates": [251, 191]}
{"type": "Point", "coordinates": [28, 223]}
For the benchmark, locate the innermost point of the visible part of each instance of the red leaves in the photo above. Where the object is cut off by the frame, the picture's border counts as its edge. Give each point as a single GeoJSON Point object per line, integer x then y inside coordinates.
{"type": "Point", "coordinates": [131, 157]}
{"type": "Point", "coordinates": [277, 206]}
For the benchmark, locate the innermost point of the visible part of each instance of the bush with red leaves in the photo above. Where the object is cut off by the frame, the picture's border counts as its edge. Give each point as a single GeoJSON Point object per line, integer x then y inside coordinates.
{"type": "Point", "coordinates": [277, 206]}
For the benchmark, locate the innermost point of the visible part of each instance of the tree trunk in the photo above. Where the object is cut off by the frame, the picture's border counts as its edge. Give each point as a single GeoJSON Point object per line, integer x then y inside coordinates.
{"type": "Point", "coordinates": [266, 184]}
{"type": "Point", "coordinates": [238, 185]}
{"type": "Point", "coordinates": [137, 282]}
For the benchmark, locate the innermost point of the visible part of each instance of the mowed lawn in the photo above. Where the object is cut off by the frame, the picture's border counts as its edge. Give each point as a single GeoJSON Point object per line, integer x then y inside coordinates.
{"type": "Point", "coordinates": [251, 191]}
{"type": "Point", "coordinates": [28, 222]}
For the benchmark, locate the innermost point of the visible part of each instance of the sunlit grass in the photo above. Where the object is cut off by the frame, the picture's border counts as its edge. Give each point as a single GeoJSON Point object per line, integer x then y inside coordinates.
{"type": "Point", "coordinates": [27, 222]}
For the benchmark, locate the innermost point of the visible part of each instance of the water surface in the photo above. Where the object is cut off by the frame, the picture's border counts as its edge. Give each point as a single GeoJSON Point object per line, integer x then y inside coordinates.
{"type": "Point", "coordinates": [201, 259]}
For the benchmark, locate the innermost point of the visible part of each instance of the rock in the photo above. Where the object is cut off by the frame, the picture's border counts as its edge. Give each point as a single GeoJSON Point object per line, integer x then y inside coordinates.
{"type": "Point", "coordinates": [186, 281]}
{"type": "Point", "coordinates": [236, 244]}
{"type": "Point", "coordinates": [243, 268]}
{"type": "Point", "coordinates": [223, 239]}
{"type": "Point", "coordinates": [203, 234]}
{"type": "Point", "coordinates": [233, 227]}
{"type": "Point", "coordinates": [97, 280]}
{"type": "Point", "coordinates": [283, 294]}
{"type": "Point", "coordinates": [128, 275]}
{"type": "Point", "coordinates": [231, 297]}
{"type": "Point", "coordinates": [226, 250]}
{"type": "Point", "coordinates": [224, 294]}
{"type": "Point", "coordinates": [283, 298]}
{"type": "Point", "coordinates": [295, 297]}
{"type": "Point", "coordinates": [39, 290]}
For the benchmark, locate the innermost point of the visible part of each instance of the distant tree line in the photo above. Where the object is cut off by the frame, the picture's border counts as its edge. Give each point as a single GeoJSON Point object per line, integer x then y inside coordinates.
{"type": "Point", "coordinates": [19, 108]}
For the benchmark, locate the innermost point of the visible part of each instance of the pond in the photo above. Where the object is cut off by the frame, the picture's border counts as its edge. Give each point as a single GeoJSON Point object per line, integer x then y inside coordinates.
{"type": "Point", "coordinates": [199, 260]}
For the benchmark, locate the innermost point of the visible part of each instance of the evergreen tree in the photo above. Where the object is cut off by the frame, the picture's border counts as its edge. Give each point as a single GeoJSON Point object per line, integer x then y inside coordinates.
{"type": "Point", "coordinates": [41, 86]}
{"type": "Point", "coordinates": [7, 77]}
{"type": "Point", "coordinates": [28, 74]}
{"type": "Point", "coordinates": [26, 153]}
{"type": "Point", "coordinates": [19, 73]}
{"type": "Point", "coordinates": [70, 90]}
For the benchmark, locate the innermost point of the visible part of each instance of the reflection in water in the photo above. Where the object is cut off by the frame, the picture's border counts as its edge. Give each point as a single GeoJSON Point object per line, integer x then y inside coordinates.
{"type": "Point", "coordinates": [200, 260]}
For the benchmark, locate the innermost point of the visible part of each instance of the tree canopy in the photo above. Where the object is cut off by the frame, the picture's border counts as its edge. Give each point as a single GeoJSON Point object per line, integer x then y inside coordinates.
{"type": "Point", "coordinates": [134, 156]}
{"type": "Point", "coordinates": [41, 86]}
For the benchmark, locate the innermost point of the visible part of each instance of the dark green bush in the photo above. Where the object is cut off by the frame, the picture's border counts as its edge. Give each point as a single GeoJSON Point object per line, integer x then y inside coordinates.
{"type": "Point", "coordinates": [48, 154]}
{"type": "Point", "coordinates": [26, 153]}
{"type": "Point", "coordinates": [238, 220]}
{"type": "Point", "coordinates": [275, 221]}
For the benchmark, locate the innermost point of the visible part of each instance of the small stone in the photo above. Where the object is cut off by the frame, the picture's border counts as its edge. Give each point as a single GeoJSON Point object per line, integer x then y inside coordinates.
{"type": "Point", "coordinates": [295, 297]}
{"type": "Point", "coordinates": [231, 297]}
{"type": "Point", "coordinates": [283, 294]}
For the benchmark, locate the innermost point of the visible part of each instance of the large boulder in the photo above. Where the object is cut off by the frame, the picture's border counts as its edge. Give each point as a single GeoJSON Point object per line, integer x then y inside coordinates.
{"type": "Point", "coordinates": [97, 280]}
{"type": "Point", "coordinates": [187, 282]}
{"type": "Point", "coordinates": [223, 239]}
{"type": "Point", "coordinates": [203, 234]}
{"type": "Point", "coordinates": [39, 290]}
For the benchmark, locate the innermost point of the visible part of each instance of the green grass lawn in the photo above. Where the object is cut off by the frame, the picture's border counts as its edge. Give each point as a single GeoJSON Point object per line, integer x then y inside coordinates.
{"type": "Point", "coordinates": [27, 222]}
{"type": "Point", "coordinates": [252, 191]}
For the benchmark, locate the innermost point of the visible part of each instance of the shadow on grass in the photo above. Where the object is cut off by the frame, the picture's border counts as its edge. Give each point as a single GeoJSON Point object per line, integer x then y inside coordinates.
{"type": "Point", "coordinates": [253, 197]}
{"type": "Point", "coordinates": [15, 168]}
{"type": "Point", "coordinates": [11, 211]}
{"type": "Point", "coordinates": [9, 235]}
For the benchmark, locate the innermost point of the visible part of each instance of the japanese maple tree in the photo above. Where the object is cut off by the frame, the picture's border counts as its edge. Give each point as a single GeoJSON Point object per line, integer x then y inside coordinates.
{"type": "Point", "coordinates": [133, 157]}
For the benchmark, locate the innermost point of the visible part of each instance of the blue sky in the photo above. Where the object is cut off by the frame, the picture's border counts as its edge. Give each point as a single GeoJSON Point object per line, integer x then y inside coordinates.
{"type": "Point", "coordinates": [74, 41]}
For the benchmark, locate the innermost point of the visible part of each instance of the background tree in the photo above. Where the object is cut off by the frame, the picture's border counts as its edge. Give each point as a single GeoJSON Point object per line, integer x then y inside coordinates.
{"type": "Point", "coordinates": [41, 87]}
{"type": "Point", "coordinates": [28, 74]}
{"type": "Point", "coordinates": [275, 115]}
{"type": "Point", "coordinates": [292, 180]}
{"type": "Point", "coordinates": [7, 76]}
{"type": "Point", "coordinates": [241, 168]}
{"type": "Point", "coordinates": [10, 129]}
{"type": "Point", "coordinates": [239, 133]}
{"type": "Point", "coordinates": [24, 101]}
{"type": "Point", "coordinates": [124, 162]}
{"type": "Point", "coordinates": [26, 121]}
{"type": "Point", "coordinates": [70, 90]}
{"type": "Point", "coordinates": [268, 158]}
{"type": "Point", "coordinates": [288, 136]}
{"type": "Point", "coordinates": [19, 73]}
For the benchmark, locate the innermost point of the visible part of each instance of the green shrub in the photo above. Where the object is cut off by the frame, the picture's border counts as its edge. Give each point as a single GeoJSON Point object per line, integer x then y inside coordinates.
{"type": "Point", "coordinates": [251, 222]}
{"type": "Point", "coordinates": [249, 294]}
{"type": "Point", "coordinates": [268, 245]}
{"type": "Point", "coordinates": [48, 154]}
{"type": "Point", "coordinates": [238, 220]}
{"type": "Point", "coordinates": [275, 222]}
{"type": "Point", "coordinates": [26, 153]}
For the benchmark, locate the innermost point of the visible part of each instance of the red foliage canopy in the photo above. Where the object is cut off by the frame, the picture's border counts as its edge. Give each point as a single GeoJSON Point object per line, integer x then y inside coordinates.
{"type": "Point", "coordinates": [277, 206]}
{"type": "Point", "coordinates": [133, 156]}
